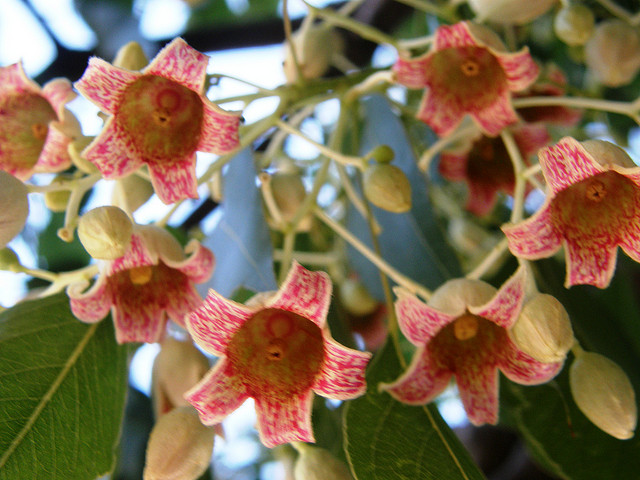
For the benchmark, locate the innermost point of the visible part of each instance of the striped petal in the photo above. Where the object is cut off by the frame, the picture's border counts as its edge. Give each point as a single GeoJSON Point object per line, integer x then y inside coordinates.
{"type": "Point", "coordinates": [219, 130]}
{"type": "Point", "coordinates": [520, 69]}
{"type": "Point", "coordinates": [536, 237]}
{"type": "Point", "coordinates": [523, 369]}
{"type": "Point", "coordinates": [411, 72]}
{"type": "Point", "coordinates": [181, 63]}
{"type": "Point", "coordinates": [284, 420]}
{"type": "Point", "coordinates": [103, 84]}
{"type": "Point", "coordinates": [176, 180]}
{"type": "Point", "coordinates": [198, 266]}
{"type": "Point", "coordinates": [94, 304]}
{"type": "Point", "coordinates": [58, 92]}
{"type": "Point", "coordinates": [589, 263]}
{"type": "Point", "coordinates": [494, 117]}
{"type": "Point", "coordinates": [418, 322]}
{"type": "Point", "coordinates": [503, 309]}
{"type": "Point", "coordinates": [478, 387]}
{"type": "Point", "coordinates": [112, 152]}
{"type": "Point", "coordinates": [342, 374]}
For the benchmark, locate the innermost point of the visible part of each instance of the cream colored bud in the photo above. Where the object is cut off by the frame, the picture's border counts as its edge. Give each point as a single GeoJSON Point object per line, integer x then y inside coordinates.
{"type": "Point", "coordinates": [613, 53]}
{"type": "Point", "coordinates": [131, 57]}
{"type": "Point", "coordinates": [9, 260]}
{"type": "Point", "coordinates": [574, 24]}
{"type": "Point", "coordinates": [176, 369]}
{"type": "Point", "coordinates": [288, 193]}
{"type": "Point", "coordinates": [607, 153]}
{"type": "Point", "coordinates": [604, 393]}
{"type": "Point", "coordinates": [453, 297]}
{"type": "Point", "coordinates": [356, 298]}
{"type": "Point", "coordinates": [131, 192]}
{"type": "Point", "coordinates": [387, 187]}
{"type": "Point", "coordinates": [57, 200]}
{"type": "Point", "coordinates": [14, 207]}
{"type": "Point", "coordinates": [543, 329]}
{"type": "Point", "coordinates": [315, 463]}
{"type": "Point", "coordinates": [509, 11]}
{"type": "Point", "coordinates": [105, 232]}
{"type": "Point", "coordinates": [75, 149]}
{"type": "Point", "coordinates": [179, 447]}
{"type": "Point", "coordinates": [314, 46]}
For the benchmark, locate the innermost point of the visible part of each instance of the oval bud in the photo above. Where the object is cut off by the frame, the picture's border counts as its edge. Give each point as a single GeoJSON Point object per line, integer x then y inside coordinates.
{"type": "Point", "coordinates": [131, 192]}
{"type": "Point", "coordinates": [179, 447]}
{"type": "Point", "coordinates": [14, 207]}
{"type": "Point", "coordinates": [356, 298]}
{"type": "Point", "coordinates": [382, 154]}
{"type": "Point", "coordinates": [387, 187]}
{"type": "Point", "coordinates": [607, 153]}
{"type": "Point", "coordinates": [105, 232]}
{"type": "Point", "coordinates": [509, 11]}
{"type": "Point", "coordinates": [315, 463]}
{"type": "Point", "coordinates": [604, 393]}
{"type": "Point", "coordinates": [9, 260]}
{"type": "Point", "coordinates": [56, 201]}
{"type": "Point", "coordinates": [288, 193]}
{"type": "Point", "coordinates": [314, 48]}
{"type": "Point", "coordinates": [454, 296]}
{"type": "Point", "coordinates": [543, 329]}
{"type": "Point", "coordinates": [574, 24]}
{"type": "Point", "coordinates": [131, 57]}
{"type": "Point", "coordinates": [613, 53]}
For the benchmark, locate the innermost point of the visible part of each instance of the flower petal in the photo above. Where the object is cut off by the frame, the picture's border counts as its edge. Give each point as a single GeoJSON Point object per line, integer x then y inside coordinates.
{"type": "Point", "coordinates": [112, 152]}
{"type": "Point", "coordinates": [411, 72]}
{"type": "Point", "coordinates": [137, 255]}
{"type": "Point", "coordinates": [519, 67]}
{"type": "Point", "coordinates": [420, 383]}
{"type": "Point", "coordinates": [418, 321]}
{"type": "Point", "coordinates": [530, 138]}
{"type": "Point", "coordinates": [198, 266]}
{"type": "Point", "coordinates": [173, 181]}
{"type": "Point", "coordinates": [218, 394]}
{"type": "Point", "coordinates": [342, 374]}
{"type": "Point", "coordinates": [590, 264]}
{"type": "Point", "coordinates": [181, 301]}
{"type": "Point", "coordinates": [478, 387]}
{"type": "Point", "coordinates": [630, 241]}
{"type": "Point", "coordinates": [482, 198]}
{"type": "Point", "coordinates": [525, 370]}
{"type": "Point", "coordinates": [453, 166]}
{"type": "Point", "coordinates": [219, 130]}
{"type": "Point", "coordinates": [285, 420]}
{"type": "Point", "coordinates": [58, 92]}
{"type": "Point", "coordinates": [92, 305]}
{"type": "Point", "coordinates": [503, 309]}
{"type": "Point", "coordinates": [215, 321]}
{"type": "Point", "coordinates": [305, 293]}
{"type": "Point", "coordinates": [494, 117]}
{"type": "Point", "coordinates": [138, 316]}
{"type": "Point", "coordinates": [104, 84]}
{"type": "Point", "coordinates": [442, 115]}
{"type": "Point", "coordinates": [181, 63]}
{"type": "Point", "coordinates": [454, 36]}
{"type": "Point", "coordinates": [536, 237]}
{"type": "Point", "coordinates": [566, 163]}
{"type": "Point", "coordinates": [54, 156]}
{"type": "Point", "coordinates": [12, 77]}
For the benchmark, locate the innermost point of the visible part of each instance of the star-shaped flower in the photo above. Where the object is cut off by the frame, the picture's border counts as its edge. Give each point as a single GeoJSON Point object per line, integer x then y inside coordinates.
{"type": "Point", "coordinates": [160, 117]}
{"type": "Point", "coordinates": [278, 352]}
{"type": "Point", "coordinates": [35, 126]}
{"type": "Point", "coordinates": [464, 332]}
{"type": "Point", "coordinates": [486, 167]}
{"type": "Point", "coordinates": [467, 71]}
{"type": "Point", "coordinates": [152, 281]}
{"type": "Point", "coordinates": [592, 207]}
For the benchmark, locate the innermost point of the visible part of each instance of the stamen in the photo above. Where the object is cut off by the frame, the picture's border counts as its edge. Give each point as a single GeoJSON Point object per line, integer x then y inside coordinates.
{"type": "Point", "coordinates": [161, 117]}
{"type": "Point", "coordinates": [465, 327]}
{"type": "Point", "coordinates": [596, 191]}
{"type": "Point", "coordinates": [275, 350]}
{"type": "Point", "coordinates": [140, 275]}
{"type": "Point", "coordinates": [39, 130]}
{"type": "Point", "coordinates": [470, 68]}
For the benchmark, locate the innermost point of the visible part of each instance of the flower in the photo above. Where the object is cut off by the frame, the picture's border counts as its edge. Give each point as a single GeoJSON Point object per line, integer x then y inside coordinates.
{"type": "Point", "coordinates": [592, 206]}
{"type": "Point", "coordinates": [151, 282]}
{"type": "Point", "coordinates": [468, 70]}
{"type": "Point", "coordinates": [485, 165]}
{"type": "Point", "coordinates": [278, 352]}
{"type": "Point", "coordinates": [160, 117]}
{"type": "Point", "coordinates": [35, 127]}
{"type": "Point", "coordinates": [463, 332]}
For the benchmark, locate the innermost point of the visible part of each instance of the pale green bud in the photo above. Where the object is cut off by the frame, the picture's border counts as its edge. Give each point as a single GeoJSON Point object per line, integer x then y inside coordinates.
{"type": "Point", "coordinates": [131, 56]}
{"type": "Point", "coordinates": [574, 24]}
{"type": "Point", "coordinates": [387, 187]}
{"type": "Point", "coordinates": [14, 207]}
{"type": "Point", "coordinates": [382, 154]}
{"type": "Point", "coordinates": [105, 232]}
{"type": "Point", "coordinates": [131, 192]}
{"type": "Point", "coordinates": [9, 260]}
{"type": "Point", "coordinates": [315, 46]}
{"type": "Point", "coordinates": [356, 298]}
{"type": "Point", "coordinates": [613, 53]}
{"type": "Point", "coordinates": [509, 11]}
{"type": "Point", "coordinates": [316, 463]}
{"type": "Point", "coordinates": [56, 201]}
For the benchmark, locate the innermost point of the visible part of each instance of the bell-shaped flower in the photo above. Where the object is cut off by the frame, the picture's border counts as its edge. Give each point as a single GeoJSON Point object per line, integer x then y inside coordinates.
{"type": "Point", "coordinates": [486, 167]}
{"type": "Point", "coordinates": [278, 352]}
{"type": "Point", "coordinates": [592, 207]}
{"type": "Point", "coordinates": [160, 117]}
{"type": "Point", "coordinates": [464, 332]}
{"type": "Point", "coordinates": [35, 126]}
{"type": "Point", "coordinates": [467, 71]}
{"type": "Point", "coordinates": [152, 282]}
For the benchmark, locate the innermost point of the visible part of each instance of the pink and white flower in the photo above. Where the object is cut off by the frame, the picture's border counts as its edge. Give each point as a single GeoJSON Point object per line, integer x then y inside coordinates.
{"type": "Point", "coordinates": [592, 207]}
{"type": "Point", "coordinates": [277, 352]}
{"type": "Point", "coordinates": [35, 126]}
{"type": "Point", "coordinates": [160, 117]}
{"type": "Point", "coordinates": [467, 71]}
{"type": "Point", "coordinates": [486, 167]}
{"type": "Point", "coordinates": [153, 282]}
{"type": "Point", "coordinates": [464, 332]}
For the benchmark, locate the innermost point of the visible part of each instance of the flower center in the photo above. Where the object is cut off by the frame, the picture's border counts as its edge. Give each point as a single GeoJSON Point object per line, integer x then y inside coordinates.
{"type": "Point", "coordinates": [596, 191]}
{"type": "Point", "coordinates": [465, 327]}
{"type": "Point", "coordinates": [470, 68]}
{"type": "Point", "coordinates": [39, 131]}
{"type": "Point", "coordinates": [140, 275]}
{"type": "Point", "coordinates": [275, 350]}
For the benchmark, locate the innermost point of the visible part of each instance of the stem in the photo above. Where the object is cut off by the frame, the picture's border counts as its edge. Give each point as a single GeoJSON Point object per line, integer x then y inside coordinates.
{"type": "Point", "coordinates": [426, 7]}
{"type": "Point", "coordinates": [355, 199]}
{"type": "Point", "coordinates": [279, 136]}
{"type": "Point", "coordinates": [494, 255]}
{"type": "Point", "coordinates": [287, 255]}
{"type": "Point", "coordinates": [287, 33]}
{"type": "Point", "coordinates": [71, 215]}
{"type": "Point", "coordinates": [519, 190]}
{"type": "Point", "coordinates": [269, 200]}
{"type": "Point", "coordinates": [623, 108]}
{"type": "Point", "coordinates": [441, 144]}
{"type": "Point", "coordinates": [311, 258]}
{"type": "Point", "coordinates": [220, 76]}
{"type": "Point", "coordinates": [384, 76]}
{"type": "Point", "coordinates": [419, 42]}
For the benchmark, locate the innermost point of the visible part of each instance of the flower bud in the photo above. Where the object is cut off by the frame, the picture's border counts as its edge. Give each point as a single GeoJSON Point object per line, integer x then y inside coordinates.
{"type": "Point", "coordinates": [607, 153]}
{"type": "Point", "coordinates": [604, 394]}
{"type": "Point", "coordinates": [574, 24]}
{"type": "Point", "coordinates": [543, 329]}
{"type": "Point", "coordinates": [179, 447]}
{"type": "Point", "coordinates": [14, 207]}
{"type": "Point", "coordinates": [9, 260]}
{"type": "Point", "coordinates": [356, 298]}
{"type": "Point", "coordinates": [613, 53]}
{"type": "Point", "coordinates": [105, 232]}
{"type": "Point", "coordinates": [131, 192]}
{"type": "Point", "coordinates": [382, 154]}
{"type": "Point", "coordinates": [314, 463]}
{"type": "Point", "coordinates": [56, 201]}
{"type": "Point", "coordinates": [314, 48]}
{"type": "Point", "coordinates": [75, 149]}
{"type": "Point", "coordinates": [177, 368]}
{"type": "Point", "coordinates": [509, 11]}
{"type": "Point", "coordinates": [454, 296]}
{"type": "Point", "coordinates": [131, 57]}
{"type": "Point", "coordinates": [288, 192]}
{"type": "Point", "coordinates": [387, 187]}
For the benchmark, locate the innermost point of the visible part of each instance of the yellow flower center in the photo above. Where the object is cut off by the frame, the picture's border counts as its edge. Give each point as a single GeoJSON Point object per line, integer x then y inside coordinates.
{"type": "Point", "coordinates": [596, 191]}
{"type": "Point", "coordinates": [39, 130]}
{"type": "Point", "coordinates": [465, 327]}
{"type": "Point", "coordinates": [470, 68]}
{"type": "Point", "coordinates": [140, 275]}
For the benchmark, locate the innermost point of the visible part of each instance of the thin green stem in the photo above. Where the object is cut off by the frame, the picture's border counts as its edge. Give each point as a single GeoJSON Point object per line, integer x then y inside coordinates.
{"type": "Point", "coordinates": [442, 143]}
{"type": "Point", "coordinates": [519, 190]}
{"type": "Point", "coordinates": [287, 254]}
{"type": "Point", "coordinates": [428, 7]}
{"type": "Point", "coordinates": [218, 76]}
{"type": "Point", "coordinates": [494, 255]}
{"type": "Point", "coordinates": [623, 108]}
{"type": "Point", "coordinates": [289, 38]}
{"type": "Point", "coordinates": [82, 186]}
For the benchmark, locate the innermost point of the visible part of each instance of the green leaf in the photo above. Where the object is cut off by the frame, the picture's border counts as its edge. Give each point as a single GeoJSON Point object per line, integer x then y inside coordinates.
{"type": "Point", "coordinates": [61, 395]}
{"type": "Point", "coordinates": [387, 440]}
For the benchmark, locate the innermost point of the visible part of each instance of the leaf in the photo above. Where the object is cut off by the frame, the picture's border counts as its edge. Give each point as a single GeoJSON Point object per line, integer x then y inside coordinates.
{"type": "Point", "coordinates": [61, 395]}
{"type": "Point", "coordinates": [241, 241]}
{"type": "Point", "coordinates": [387, 440]}
{"type": "Point", "coordinates": [411, 242]}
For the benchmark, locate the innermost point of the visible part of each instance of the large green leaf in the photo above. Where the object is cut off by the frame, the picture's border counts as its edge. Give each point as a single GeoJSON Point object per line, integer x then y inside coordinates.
{"type": "Point", "coordinates": [387, 440]}
{"type": "Point", "coordinates": [62, 392]}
